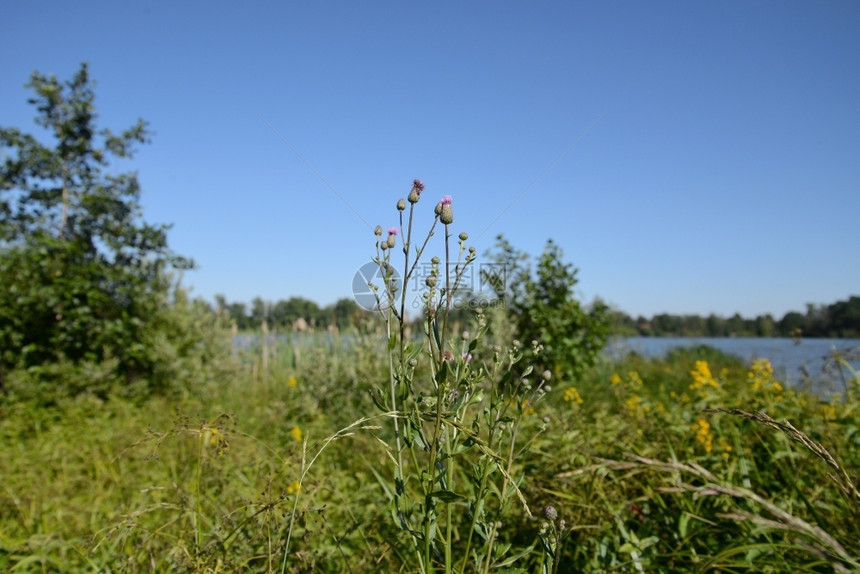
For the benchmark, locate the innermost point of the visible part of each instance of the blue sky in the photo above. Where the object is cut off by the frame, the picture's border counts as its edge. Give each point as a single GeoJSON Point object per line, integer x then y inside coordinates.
{"type": "Point", "coordinates": [689, 157]}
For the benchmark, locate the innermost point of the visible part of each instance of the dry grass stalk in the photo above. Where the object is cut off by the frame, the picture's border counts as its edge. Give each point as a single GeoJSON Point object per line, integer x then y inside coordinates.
{"type": "Point", "coordinates": [842, 479]}
{"type": "Point", "coordinates": [817, 540]}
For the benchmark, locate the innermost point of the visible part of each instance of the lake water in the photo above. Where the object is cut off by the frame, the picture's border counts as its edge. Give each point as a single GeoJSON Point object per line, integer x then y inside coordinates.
{"type": "Point", "coordinates": [792, 363]}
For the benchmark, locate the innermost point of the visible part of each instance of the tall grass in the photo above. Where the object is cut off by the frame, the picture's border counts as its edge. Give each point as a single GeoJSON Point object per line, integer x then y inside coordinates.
{"type": "Point", "coordinates": [380, 452]}
{"type": "Point", "coordinates": [213, 482]}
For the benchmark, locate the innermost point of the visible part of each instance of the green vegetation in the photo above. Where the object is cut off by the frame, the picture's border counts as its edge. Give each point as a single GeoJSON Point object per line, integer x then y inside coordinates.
{"type": "Point", "coordinates": [135, 438]}
{"type": "Point", "coordinates": [86, 284]}
{"type": "Point", "coordinates": [641, 474]}
{"type": "Point", "coordinates": [840, 319]}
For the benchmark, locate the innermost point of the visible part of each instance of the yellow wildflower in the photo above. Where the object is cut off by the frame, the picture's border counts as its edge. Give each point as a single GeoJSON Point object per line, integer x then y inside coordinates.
{"type": "Point", "coordinates": [702, 378]}
{"type": "Point", "coordinates": [704, 434]}
{"type": "Point", "coordinates": [292, 381]}
{"type": "Point", "coordinates": [527, 408]}
{"type": "Point", "coordinates": [294, 487]}
{"type": "Point", "coordinates": [634, 380]}
{"type": "Point", "coordinates": [615, 379]}
{"type": "Point", "coordinates": [296, 432]}
{"type": "Point", "coordinates": [760, 377]}
{"type": "Point", "coordinates": [571, 395]}
{"type": "Point", "coordinates": [218, 440]}
{"type": "Point", "coordinates": [726, 449]}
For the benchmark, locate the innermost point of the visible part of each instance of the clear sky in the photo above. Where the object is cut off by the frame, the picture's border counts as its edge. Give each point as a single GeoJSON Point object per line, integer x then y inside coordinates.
{"type": "Point", "coordinates": [689, 157]}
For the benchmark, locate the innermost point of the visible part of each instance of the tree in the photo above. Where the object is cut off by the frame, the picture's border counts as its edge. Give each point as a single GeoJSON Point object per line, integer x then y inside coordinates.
{"type": "Point", "coordinates": [85, 278]}
{"type": "Point", "coordinates": [845, 317]}
{"type": "Point", "coordinates": [543, 307]}
{"type": "Point", "coordinates": [791, 323]}
{"type": "Point", "coordinates": [764, 325]}
{"type": "Point", "coordinates": [344, 313]}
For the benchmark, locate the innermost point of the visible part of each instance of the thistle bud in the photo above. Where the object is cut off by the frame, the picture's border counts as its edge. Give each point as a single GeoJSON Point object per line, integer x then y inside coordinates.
{"type": "Point", "coordinates": [438, 209]}
{"type": "Point", "coordinates": [378, 231]}
{"type": "Point", "coordinates": [464, 236]}
{"type": "Point", "coordinates": [415, 193]}
{"type": "Point", "coordinates": [430, 281]}
{"type": "Point", "coordinates": [446, 214]}
{"type": "Point", "coordinates": [550, 513]}
{"type": "Point", "coordinates": [401, 204]}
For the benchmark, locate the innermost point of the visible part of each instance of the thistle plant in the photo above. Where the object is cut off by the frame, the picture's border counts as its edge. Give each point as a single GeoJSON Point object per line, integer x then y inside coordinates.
{"type": "Point", "coordinates": [553, 532]}
{"type": "Point", "coordinates": [457, 403]}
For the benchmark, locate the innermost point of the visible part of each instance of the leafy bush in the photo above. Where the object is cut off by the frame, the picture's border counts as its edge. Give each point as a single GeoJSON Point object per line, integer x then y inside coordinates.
{"type": "Point", "coordinates": [86, 280]}
{"type": "Point", "coordinates": [543, 307]}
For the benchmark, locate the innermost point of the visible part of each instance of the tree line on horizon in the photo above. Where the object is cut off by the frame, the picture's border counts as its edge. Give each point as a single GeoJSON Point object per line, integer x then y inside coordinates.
{"type": "Point", "coordinates": [840, 319]}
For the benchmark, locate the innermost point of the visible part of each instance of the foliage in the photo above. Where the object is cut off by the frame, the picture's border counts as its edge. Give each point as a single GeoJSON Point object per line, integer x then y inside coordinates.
{"type": "Point", "coordinates": [289, 314]}
{"type": "Point", "coordinates": [544, 308]}
{"type": "Point", "coordinates": [85, 278]}
{"type": "Point", "coordinates": [840, 319]}
{"type": "Point", "coordinates": [375, 451]}
{"type": "Point", "coordinates": [459, 408]}
{"type": "Point", "coordinates": [179, 485]}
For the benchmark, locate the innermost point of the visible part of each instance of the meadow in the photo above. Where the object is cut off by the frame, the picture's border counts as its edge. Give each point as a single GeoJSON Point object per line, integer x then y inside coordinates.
{"type": "Point", "coordinates": [285, 468]}
{"type": "Point", "coordinates": [499, 440]}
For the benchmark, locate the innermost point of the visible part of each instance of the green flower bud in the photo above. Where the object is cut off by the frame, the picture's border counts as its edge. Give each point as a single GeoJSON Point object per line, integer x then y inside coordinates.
{"type": "Point", "coordinates": [446, 215]}
{"type": "Point", "coordinates": [415, 193]}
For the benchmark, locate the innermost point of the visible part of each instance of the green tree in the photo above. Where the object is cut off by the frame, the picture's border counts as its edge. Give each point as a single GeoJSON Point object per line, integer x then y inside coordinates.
{"type": "Point", "coordinates": [543, 306]}
{"type": "Point", "coordinates": [736, 325]}
{"type": "Point", "coordinates": [345, 314]}
{"type": "Point", "coordinates": [845, 317]}
{"type": "Point", "coordinates": [86, 280]}
{"type": "Point", "coordinates": [792, 322]}
{"type": "Point", "coordinates": [764, 325]}
{"type": "Point", "coordinates": [666, 324]}
{"type": "Point", "coordinates": [260, 311]}
{"type": "Point", "coordinates": [715, 326]}
{"type": "Point", "coordinates": [620, 323]}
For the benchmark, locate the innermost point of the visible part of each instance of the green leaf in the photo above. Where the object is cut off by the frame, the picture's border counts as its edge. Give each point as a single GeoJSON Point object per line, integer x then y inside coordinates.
{"type": "Point", "coordinates": [442, 373]}
{"type": "Point", "coordinates": [447, 496]}
{"type": "Point", "coordinates": [514, 558]}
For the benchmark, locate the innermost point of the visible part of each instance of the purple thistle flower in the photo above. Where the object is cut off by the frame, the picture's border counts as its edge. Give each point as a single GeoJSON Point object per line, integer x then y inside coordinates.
{"type": "Point", "coordinates": [447, 199]}
{"type": "Point", "coordinates": [418, 185]}
{"type": "Point", "coordinates": [392, 231]}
